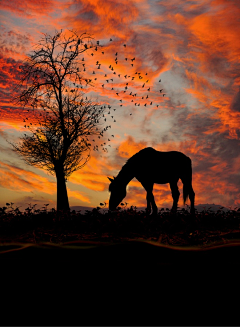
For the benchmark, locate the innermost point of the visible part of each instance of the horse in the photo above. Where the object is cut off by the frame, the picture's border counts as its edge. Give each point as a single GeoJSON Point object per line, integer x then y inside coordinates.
{"type": "Point", "coordinates": [150, 166]}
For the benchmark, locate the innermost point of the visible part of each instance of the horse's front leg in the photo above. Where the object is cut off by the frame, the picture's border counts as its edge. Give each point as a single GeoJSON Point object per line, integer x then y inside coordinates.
{"type": "Point", "coordinates": [150, 198]}
{"type": "Point", "coordinates": [151, 201]}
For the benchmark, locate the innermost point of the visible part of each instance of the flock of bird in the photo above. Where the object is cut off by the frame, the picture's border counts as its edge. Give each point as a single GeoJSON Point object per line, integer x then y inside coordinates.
{"type": "Point", "coordinates": [112, 80]}
{"type": "Point", "coordinates": [120, 86]}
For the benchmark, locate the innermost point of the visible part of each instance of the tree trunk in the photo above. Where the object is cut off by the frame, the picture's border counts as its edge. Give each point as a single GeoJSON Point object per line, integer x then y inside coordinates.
{"type": "Point", "coordinates": [62, 197]}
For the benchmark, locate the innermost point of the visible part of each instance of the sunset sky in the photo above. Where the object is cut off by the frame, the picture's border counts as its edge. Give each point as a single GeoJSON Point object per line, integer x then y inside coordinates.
{"type": "Point", "coordinates": [191, 46]}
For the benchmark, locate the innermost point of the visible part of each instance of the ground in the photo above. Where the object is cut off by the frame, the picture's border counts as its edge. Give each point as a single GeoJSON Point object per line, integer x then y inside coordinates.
{"type": "Point", "coordinates": [122, 268]}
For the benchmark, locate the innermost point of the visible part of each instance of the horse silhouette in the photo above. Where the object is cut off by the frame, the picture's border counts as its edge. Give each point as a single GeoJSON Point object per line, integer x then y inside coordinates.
{"type": "Point", "coordinates": [150, 166]}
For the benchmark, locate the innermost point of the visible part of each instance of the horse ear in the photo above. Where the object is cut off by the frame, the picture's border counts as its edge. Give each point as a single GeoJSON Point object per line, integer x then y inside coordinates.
{"type": "Point", "coordinates": [111, 179]}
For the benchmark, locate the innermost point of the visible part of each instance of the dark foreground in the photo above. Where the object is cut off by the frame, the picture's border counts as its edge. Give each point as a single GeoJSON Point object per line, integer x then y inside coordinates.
{"type": "Point", "coordinates": [120, 269]}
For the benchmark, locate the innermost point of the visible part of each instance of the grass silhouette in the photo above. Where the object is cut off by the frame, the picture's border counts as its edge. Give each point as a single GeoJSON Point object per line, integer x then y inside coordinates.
{"type": "Point", "coordinates": [119, 268]}
{"type": "Point", "coordinates": [180, 228]}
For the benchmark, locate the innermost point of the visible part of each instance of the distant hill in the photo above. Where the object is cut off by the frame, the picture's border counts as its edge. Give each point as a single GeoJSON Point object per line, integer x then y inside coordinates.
{"type": "Point", "coordinates": [199, 207]}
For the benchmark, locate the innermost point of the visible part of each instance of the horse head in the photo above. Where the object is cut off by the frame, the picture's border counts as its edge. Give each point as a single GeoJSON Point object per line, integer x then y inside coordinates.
{"type": "Point", "coordinates": [118, 193]}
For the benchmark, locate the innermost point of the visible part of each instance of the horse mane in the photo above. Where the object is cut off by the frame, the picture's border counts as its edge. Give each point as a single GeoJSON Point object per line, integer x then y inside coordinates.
{"type": "Point", "coordinates": [130, 161]}
{"type": "Point", "coordinates": [133, 159]}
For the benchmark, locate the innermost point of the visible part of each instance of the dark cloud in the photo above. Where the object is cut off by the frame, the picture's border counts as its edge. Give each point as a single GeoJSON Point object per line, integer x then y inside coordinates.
{"type": "Point", "coordinates": [12, 42]}
{"type": "Point", "coordinates": [148, 50]}
{"type": "Point", "coordinates": [235, 106]}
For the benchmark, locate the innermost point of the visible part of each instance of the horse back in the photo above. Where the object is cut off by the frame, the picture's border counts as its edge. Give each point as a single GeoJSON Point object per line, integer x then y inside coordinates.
{"type": "Point", "coordinates": [161, 167]}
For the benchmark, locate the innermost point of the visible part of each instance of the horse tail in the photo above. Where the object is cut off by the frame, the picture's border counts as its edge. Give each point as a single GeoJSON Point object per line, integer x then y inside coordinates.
{"type": "Point", "coordinates": [187, 179]}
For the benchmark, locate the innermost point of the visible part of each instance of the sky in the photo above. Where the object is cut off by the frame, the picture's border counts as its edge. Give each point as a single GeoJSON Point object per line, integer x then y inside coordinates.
{"type": "Point", "coordinates": [191, 46]}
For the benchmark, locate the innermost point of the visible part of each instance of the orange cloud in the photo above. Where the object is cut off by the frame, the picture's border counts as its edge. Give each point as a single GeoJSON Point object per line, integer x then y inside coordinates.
{"type": "Point", "coordinates": [79, 196]}
{"type": "Point", "coordinates": [28, 8]}
{"type": "Point", "coordinates": [18, 179]}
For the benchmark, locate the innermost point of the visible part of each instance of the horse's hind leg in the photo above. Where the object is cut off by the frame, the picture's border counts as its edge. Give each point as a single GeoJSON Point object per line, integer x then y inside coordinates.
{"type": "Point", "coordinates": [191, 198]}
{"type": "Point", "coordinates": [175, 194]}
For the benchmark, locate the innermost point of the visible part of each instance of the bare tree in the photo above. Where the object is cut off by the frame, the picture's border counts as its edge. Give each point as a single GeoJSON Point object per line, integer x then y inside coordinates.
{"type": "Point", "coordinates": [63, 119]}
